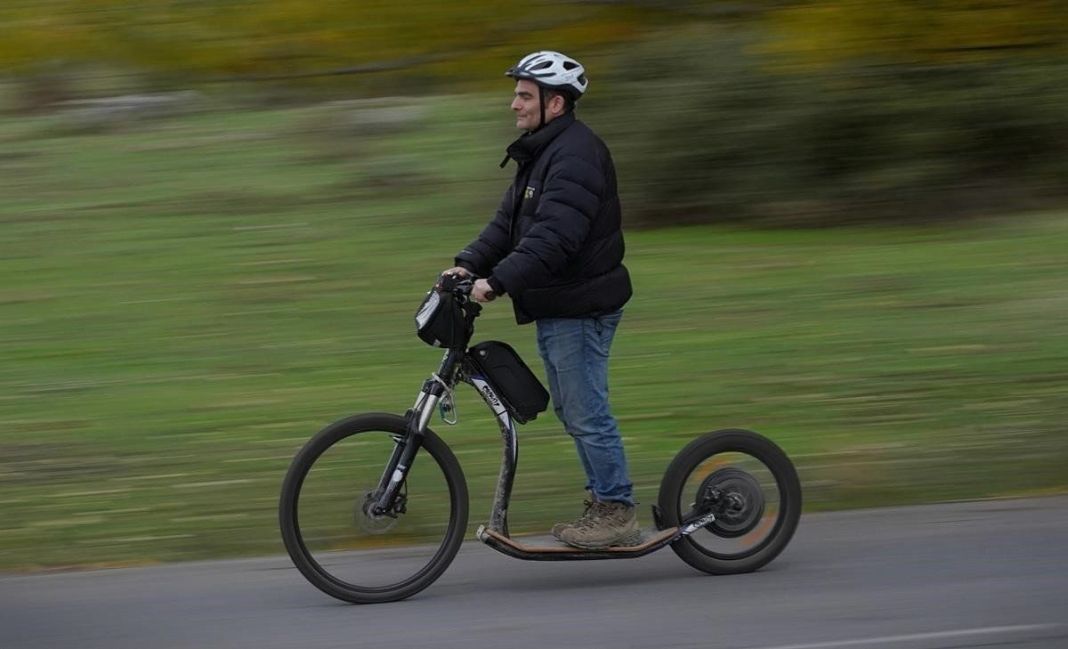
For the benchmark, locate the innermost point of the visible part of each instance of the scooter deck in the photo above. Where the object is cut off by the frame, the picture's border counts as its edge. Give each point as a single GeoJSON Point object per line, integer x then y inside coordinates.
{"type": "Point", "coordinates": [652, 542]}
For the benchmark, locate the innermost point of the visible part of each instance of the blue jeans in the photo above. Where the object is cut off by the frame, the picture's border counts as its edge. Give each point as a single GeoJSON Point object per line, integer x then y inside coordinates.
{"type": "Point", "coordinates": [575, 353]}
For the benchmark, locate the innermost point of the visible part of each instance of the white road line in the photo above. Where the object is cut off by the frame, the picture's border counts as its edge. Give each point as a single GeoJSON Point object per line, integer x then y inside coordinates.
{"type": "Point", "coordinates": [914, 637]}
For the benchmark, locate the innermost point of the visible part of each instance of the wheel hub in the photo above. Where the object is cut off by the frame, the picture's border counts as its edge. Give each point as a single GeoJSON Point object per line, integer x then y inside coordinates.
{"type": "Point", "coordinates": [737, 500]}
{"type": "Point", "coordinates": [373, 523]}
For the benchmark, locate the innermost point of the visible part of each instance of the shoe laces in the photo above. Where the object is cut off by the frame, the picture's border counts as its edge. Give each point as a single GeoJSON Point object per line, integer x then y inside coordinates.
{"type": "Point", "coordinates": [615, 513]}
{"type": "Point", "coordinates": [587, 512]}
{"type": "Point", "coordinates": [599, 513]}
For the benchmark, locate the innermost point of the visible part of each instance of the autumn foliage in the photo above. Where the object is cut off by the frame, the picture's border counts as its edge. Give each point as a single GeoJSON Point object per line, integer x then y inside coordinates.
{"type": "Point", "coordinates": [804, 111]}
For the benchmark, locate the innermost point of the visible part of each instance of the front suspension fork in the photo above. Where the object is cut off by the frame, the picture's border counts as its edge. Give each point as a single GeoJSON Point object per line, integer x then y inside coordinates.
{"type": "Point", "coordinates": [405, 450]}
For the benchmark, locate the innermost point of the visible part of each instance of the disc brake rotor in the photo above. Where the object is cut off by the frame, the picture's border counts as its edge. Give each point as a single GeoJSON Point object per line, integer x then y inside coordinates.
{"type": "Point", "coordinates": [735, 497]}
{"type": "Point", "coordinates": [376, 524]}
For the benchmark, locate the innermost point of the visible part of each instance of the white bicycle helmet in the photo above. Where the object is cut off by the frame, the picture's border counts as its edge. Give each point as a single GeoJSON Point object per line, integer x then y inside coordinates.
{"type": "Point", "coordinates": [552, 70]}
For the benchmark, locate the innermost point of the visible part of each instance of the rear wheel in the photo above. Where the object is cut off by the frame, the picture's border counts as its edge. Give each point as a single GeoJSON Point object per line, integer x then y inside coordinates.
{"type": "Point", "coordinates": [335, 540]}
{"type": "Point", "coordinates": [751, 487]}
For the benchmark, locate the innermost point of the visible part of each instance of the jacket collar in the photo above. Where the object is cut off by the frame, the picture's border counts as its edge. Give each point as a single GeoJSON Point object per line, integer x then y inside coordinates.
{"type": "Point", "coordinates": [530, 144]}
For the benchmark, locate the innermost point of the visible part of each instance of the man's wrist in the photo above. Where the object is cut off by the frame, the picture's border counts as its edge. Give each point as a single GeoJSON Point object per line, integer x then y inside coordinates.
{"type": "Point", "coordinates": [496, 285]}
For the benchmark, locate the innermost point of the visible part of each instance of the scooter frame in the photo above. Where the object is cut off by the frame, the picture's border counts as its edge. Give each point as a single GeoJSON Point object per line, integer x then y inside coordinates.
{"type": "Point", "coordinates": [495, 532]}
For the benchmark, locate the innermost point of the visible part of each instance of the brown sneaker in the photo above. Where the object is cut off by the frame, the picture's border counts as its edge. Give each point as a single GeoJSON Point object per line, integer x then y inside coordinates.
{"type": "Point", "coordinates": [607, 525]}
{"type": "Point", "coordinates": [588, 504]}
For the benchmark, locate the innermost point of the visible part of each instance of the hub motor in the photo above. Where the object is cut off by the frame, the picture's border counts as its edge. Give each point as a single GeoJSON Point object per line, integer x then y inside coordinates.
{"type": "Point", "coordinates": [735, 497]}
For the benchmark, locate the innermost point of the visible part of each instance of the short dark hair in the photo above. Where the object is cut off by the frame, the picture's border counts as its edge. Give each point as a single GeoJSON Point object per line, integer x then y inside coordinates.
{"type": "Point", "coordinates": [569, 98]}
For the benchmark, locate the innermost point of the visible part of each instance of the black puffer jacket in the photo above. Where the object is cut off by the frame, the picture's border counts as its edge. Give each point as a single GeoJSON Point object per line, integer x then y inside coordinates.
{"type": "Point", "coordinates": [556, 243]}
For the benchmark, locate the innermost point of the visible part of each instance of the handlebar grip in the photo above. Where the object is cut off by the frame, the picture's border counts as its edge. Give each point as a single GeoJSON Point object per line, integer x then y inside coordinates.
{"type": "Point", "coordinates": [456, 283]}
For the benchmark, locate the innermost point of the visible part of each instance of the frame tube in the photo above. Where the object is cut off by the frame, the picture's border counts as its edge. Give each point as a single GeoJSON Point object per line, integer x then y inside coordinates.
{"type": "Point", "coordinates": [510, 460]}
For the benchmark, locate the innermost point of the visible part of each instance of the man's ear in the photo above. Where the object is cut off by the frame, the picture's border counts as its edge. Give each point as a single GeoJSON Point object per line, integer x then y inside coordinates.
{"type": "Point", "coordinates": [557, 105]}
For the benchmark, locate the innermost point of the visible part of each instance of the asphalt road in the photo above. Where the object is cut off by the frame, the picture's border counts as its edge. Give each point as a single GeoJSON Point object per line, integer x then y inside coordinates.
{"type": "Point", "coordinates": [987, 574]}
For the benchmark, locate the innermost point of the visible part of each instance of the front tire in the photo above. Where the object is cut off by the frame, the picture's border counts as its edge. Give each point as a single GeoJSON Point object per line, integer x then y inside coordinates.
{"type": "Point", "coordinates": [341, 548]}
{"type": "Point", "coordinates": [749, 483]}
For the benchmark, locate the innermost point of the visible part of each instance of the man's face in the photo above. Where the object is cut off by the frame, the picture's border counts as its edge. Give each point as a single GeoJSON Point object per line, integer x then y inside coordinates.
{"type": "Point", "coordinates": [527, 105]}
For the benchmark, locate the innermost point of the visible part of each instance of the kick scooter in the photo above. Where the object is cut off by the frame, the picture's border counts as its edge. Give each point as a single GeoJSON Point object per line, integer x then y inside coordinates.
{"type": "Point", "coordinates": [729, 502]}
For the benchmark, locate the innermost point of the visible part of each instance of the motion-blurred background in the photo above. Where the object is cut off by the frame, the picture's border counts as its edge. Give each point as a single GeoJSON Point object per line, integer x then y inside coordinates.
{"type": "Point", "coordinates": [846, 226]}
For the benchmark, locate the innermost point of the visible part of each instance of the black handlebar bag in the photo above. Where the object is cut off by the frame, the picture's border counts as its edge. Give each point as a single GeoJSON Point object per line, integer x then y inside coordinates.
{"type": "Point", "coordinates": [440, 321]}
{"type": "Point", "coordinates": [521, 392]}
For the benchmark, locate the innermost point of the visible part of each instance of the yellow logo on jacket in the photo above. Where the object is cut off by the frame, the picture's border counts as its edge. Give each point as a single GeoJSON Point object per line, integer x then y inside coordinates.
{"type": "Point", "coordinates": [529, 193]}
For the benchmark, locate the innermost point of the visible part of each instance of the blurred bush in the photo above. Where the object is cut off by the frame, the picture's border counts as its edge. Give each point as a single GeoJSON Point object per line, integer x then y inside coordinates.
{"type": "Point", "coordinates": [706, 128]}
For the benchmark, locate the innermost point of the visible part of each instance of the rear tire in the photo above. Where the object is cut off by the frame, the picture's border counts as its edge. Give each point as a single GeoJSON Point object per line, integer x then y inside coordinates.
{"type": "Point", "coordinates": [339, 549]}
{"type": "Point", "coordinates": [756, 477]}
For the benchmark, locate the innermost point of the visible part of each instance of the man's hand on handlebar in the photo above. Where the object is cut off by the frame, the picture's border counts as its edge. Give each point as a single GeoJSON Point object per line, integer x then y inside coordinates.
{"type": "Point", "coordinates": [458, 270]}
{"type": "Point", "coordinates": [483, 292]}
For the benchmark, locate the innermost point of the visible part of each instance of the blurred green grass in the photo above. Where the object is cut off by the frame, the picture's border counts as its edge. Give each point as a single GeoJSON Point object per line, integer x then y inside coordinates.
{"type": "Point", "coordinates": [184, 304]}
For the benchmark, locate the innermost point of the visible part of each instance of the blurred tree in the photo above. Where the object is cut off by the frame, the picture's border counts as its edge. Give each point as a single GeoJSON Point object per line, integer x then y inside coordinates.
{"type": "Point", "coordinates": [918, 31]}
{"type": "Point", "coordinates": [704, 130]}
{"type": "Point", "coordinates": [300, 37]}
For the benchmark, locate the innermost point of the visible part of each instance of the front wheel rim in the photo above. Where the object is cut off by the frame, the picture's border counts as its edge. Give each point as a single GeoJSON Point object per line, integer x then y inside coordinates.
{"type": "Point", "coordinates": [327, 540]}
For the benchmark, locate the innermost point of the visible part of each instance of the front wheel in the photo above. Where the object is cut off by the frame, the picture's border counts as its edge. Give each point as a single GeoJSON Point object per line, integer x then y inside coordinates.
{"type": "Point", "coordinates": [751, 487]}
{"type": "Point", "coordinates": [332, 536]}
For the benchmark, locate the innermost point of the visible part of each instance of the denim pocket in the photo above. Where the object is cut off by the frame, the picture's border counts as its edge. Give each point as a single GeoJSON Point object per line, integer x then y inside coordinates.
{"type": "Point", "coordinates": [607, 321]}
